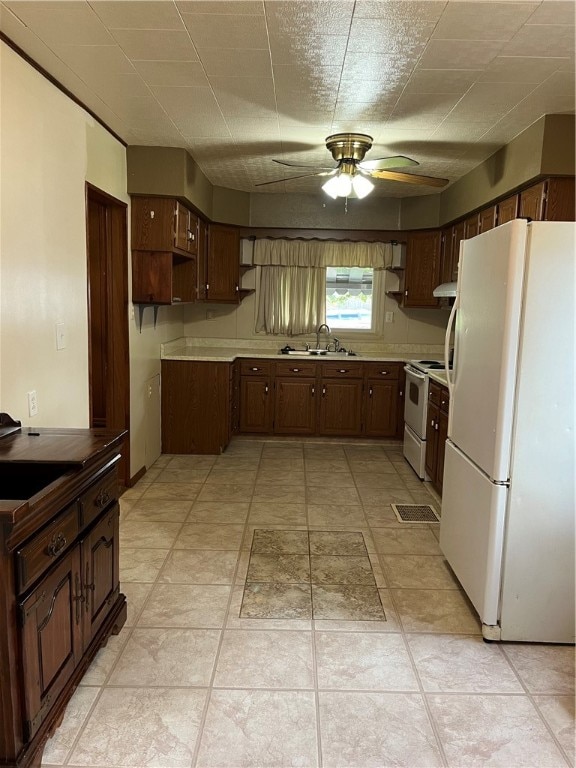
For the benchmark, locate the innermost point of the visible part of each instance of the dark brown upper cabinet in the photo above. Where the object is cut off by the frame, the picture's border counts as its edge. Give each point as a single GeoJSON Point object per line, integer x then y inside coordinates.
{"type": "Point", "coordinates": [422, 273]}
{"type": "Point", "coordinates": [223, 264]}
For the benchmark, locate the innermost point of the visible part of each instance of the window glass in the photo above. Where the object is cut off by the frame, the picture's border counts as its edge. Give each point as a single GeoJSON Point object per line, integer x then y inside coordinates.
{"type": "Point", "coordinates": [349, 297]}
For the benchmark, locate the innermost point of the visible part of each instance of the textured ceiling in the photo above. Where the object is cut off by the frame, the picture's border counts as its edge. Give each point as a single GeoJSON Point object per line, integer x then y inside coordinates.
{"type": "Point", "coordinates": [239, 83]}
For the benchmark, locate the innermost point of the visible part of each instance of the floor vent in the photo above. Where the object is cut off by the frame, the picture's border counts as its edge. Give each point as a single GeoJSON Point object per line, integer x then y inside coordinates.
{"type": "Point", "coordinates": [415, 513]}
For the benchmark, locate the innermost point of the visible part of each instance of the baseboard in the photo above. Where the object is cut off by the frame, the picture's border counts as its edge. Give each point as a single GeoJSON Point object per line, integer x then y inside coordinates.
{"type": "Point", "coordinates": [138, 476]}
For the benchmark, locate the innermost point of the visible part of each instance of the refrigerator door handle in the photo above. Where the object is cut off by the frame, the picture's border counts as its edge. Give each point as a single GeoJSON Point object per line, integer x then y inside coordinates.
{"type": "Point", "coordinates": [447, 346]}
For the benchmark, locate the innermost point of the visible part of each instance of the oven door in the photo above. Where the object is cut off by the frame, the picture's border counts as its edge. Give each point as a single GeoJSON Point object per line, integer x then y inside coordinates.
{"type": "Point", "coordinates": [416, 401]}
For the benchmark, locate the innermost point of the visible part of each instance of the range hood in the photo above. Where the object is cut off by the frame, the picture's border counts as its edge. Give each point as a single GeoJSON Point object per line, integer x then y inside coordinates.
{"type": "Point", "coordinates": [446, 290]}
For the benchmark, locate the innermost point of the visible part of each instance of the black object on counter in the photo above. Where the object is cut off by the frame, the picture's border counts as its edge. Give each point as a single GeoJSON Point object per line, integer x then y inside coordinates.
{"type": "Point", "coordinates": [286, 349]}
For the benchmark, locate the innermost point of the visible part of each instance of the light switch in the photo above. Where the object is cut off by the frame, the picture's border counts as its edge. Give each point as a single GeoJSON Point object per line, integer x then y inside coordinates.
{"type": "Point", "coordinates": [60, 336]}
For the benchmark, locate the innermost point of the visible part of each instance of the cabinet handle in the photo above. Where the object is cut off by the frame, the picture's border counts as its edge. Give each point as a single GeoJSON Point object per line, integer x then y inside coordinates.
{"type": "Point", "coordinates": [431, 422]}
{"type": "Point", "coordinates": [295, 370]}
{"type": "Point", "coordinates": [237, 288]}
{"type": "Point", "coordinates": [405, 293]}
{"type": "Point", "coordinates": [436, 427]}
{"type": "Point", "coordinates": [370, 392]}
{"type": "Point", "coordinates": [254, 368]}
{"type": "Point", "coordinates": [57, 544]}
{"type": "Point", "coordinates": [88, 586]}
{"type": "Point", "coordinates": [384, 373]}
{"type": "Point", "coordinates": [191, 235]}
{"type": "Point", "coordinates": [102, 499]}
{"type": "Point", "coordinates": [323, 391]}
{"type": "Point", "coordinates": [78, 597]}
{"type": "Point", "coordinates": [443, 402]}
{"type": "Point", "coordinates": [266, 388]}
{"type": "Point", "coordinates": [313, 390]}
{"type": "Point", "coordinates": [343, 370]}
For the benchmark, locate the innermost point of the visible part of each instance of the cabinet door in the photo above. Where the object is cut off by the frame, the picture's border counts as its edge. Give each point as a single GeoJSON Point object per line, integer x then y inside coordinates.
{"type": "Point", "coordinates": [431, 460]}
{"type": "Point", "coordinates": [488, 218]}
{"type": "Point", "coordinates": [381, 409]}
{"type": "Point", "coordinates": [295, 406]}
{"type": "Point", "coordinates": [442, 435]}
{"type": "Point", "coordinates": [192, 234]}
{"type": "Point", "coordinates": [181, 226]}
{"type": "Point", "coordinates": [153, 223]}
{"type": "Point", "coordinates": [202, 259]}
{"type": "Point", "coordinates": [51, 637]}
{"type": "Point", "coordinates": [560, 199]}
{"type": "Point", "coordinates": [507, 210]}
{"type": "Point", "coordinates": [532, 202]}
{"type": "Point", "coordinates": [458, 237]}
{"type": "Point", "coordinates": [447, 255]}
{"type": "Point", "coordinates": [100, 578]}
{"type": "Point", "coordinates": [223, 264]}
{"type": "Point", "coordinates": [255, 404]}
{"type": "Point", "coordinates": [472, 227]}
{"type": "Point", "coordinates": [422, 273]}
{"type": "Point", "coordinates": [340, 407]}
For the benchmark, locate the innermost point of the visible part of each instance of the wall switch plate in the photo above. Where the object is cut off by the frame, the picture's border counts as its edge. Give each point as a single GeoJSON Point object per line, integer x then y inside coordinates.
{"type": "Point", "coordinates": [60, 336]}
{"type": "Point", "coordinates": [389, 317]}
{"type": "Point", "coordinates": [32, 403]}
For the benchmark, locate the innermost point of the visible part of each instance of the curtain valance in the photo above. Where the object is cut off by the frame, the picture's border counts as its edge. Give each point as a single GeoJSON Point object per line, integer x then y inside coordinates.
{"type": "Point", "coordinates": [314, 253]}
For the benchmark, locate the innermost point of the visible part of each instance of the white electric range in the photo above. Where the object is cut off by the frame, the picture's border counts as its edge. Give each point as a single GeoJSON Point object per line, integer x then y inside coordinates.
{"type": "Point", "coordinates": [416, 411]}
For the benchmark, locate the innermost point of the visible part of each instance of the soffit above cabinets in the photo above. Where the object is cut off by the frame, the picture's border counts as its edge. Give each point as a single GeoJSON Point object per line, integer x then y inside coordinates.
{"type": "Point", "coordinates": [239, 83]}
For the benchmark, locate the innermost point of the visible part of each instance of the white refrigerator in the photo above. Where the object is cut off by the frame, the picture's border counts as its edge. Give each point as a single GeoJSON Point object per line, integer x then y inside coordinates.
{"type": "Point", "coordinates": [507, 527]}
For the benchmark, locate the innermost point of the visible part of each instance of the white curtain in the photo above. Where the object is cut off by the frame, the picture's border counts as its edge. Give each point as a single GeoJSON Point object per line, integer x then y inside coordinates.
{"type": "Point", "coordinates": [292, 293]}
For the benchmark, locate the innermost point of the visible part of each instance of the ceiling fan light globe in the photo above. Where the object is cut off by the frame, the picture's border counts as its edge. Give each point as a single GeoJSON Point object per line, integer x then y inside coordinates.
{"type": "Point", "coordinates": [362, 186]}
{"type": "Point", "coordinates": [330, 187]}
{"type": "Point", "coordinates": [344, 184]}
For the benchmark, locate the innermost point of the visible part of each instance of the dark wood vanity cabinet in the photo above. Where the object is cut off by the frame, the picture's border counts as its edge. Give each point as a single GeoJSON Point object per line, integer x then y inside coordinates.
{"type": "Point", "coordinates": [59, 576]}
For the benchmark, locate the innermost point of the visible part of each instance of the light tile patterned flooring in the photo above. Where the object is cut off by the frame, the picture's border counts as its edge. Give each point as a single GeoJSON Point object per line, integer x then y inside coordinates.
{"type": "Point", "coordinates": [188, 683]}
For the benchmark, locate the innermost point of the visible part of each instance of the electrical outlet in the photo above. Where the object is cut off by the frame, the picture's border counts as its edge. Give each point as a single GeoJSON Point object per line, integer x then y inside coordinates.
{"type": "Point", "coordinates": [389, 318]}
{"type": "Point", "coordinates": [32, 403]}
{"type": "Point", "coordinates": [210, 314]}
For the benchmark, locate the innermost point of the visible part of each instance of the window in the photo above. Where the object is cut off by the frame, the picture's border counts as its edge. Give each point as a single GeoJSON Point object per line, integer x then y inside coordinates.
{"type": "Point", "coordinates": [349, 297]}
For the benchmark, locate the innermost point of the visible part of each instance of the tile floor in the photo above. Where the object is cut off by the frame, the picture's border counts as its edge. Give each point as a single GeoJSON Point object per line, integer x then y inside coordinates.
{"type": "Point", "coordinates": [189, 683]}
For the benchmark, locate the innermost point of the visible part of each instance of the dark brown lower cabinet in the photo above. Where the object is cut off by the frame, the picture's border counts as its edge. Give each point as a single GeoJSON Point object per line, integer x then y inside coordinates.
{"type": "Point", "coordinates": [256, 398]}
{"type": "Point", "coordinates": [295, 406]}
{"type": "Point", "coordinates": [196, 406]}
{"type": "Point", "coordinates": [340, 407]}
{"type": "Point", "coordinates": [381, 415]}
{"type": "Point", "coordinates": [436, 434]}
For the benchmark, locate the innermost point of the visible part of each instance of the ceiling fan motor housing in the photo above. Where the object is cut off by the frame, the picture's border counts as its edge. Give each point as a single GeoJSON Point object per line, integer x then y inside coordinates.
{"type": "Point", "coordinates": [349, 146]}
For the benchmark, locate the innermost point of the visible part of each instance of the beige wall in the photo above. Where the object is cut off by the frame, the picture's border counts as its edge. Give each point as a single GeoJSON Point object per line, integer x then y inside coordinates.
{"type": "Point", "coordinates": [49, 148]}
{"type": "Point", "coordinates": [230, 206]}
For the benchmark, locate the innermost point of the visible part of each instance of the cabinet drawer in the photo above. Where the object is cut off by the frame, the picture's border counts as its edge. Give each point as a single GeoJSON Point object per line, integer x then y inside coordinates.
{"type": "Point", "coordinates": [434, 393]}
{"type": "Point", "coordinates": [444, 399]}
{"type": "Point", "coordinates": [382, 370]}
{"type": "Point", "coordinates": [44, 549]}
{"type": "Point", "coordinates": [98, 497]}
{"type": "Point", "coordinates": [342, 369]}
{"type": "Point", "coordinates": [296, 369]}
{"type": "Point", "coordinates": [255, 367]}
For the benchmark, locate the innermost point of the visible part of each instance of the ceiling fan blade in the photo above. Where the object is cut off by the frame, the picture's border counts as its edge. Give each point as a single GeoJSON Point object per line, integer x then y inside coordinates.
{"type": "Point", "coordinates": [303, 176]}
{"type": "Point", "coordinates": [381, 163]}
{"type": "Point", "coordinates": [299, 165]}
{"type": "Point", "coordinates": [410, 178]}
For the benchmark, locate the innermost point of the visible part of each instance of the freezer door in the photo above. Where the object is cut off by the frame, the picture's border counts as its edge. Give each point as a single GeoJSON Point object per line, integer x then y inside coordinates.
{"type": "Point", "coordinates": [472, 530]}
{"type": "Point", "coordinates": [486, 346]}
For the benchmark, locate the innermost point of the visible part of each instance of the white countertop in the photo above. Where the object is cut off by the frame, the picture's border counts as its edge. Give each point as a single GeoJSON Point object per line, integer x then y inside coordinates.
{"type": "Point", "coordinates": [228, 350]}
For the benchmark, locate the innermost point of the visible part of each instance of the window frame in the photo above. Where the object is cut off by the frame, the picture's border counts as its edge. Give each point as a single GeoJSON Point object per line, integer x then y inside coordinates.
{"type": "Point", "coordinates": [378, 298]}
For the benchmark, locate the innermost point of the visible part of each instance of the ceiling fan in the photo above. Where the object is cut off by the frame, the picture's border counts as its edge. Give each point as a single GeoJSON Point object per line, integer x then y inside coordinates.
{"type": "Point", "coordinates": [350, 177]}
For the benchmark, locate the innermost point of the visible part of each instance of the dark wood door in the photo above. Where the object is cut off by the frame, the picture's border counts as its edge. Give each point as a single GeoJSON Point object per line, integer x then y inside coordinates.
{"type": "Point", "coordinates": [295, 406]}
{"type": "Point", "coordinates": [560, 199]}
{"type": "Point", "coordinates": [532, 202]}
{"type": "Point", "coordinates": [223, 263]}
{"type": "Point", "coordinates": [153, 224]}
{"type": "Point", "coordinates": [458, 237]}
{"type": "Point", "coordinates": [100, 577]}
{"type": "Point", "coordinates": [109, 373]}
{"type": "Point", "coordinates": [431, 460]}
{"type": "Point", "coordinates": [381, 418]}
{"type": "Point", "coordinates": [422, 273]}
{"type": "Point", "coordinates": [488, 218]}
{"type": "Point", "coordinates": [506, 210]}
{"type": "Point", "coordinates": [340, 407]}
{"type": "Point", "coordinates": [255, 404]}
{"type": "Point", "coordinates": [52, 637]}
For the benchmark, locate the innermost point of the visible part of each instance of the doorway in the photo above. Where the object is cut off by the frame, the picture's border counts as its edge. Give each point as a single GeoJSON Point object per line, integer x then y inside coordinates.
{"type": "Point", "coordinates": [109, 368]}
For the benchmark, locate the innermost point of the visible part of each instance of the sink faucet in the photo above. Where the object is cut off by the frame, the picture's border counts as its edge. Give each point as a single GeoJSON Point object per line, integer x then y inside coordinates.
{"type": "Point", "coordinates": [319, 331]}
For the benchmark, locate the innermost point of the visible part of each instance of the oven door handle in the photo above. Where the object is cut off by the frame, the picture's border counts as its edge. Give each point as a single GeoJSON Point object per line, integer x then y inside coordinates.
{"type": "Point", "coordinates": [412, 372]}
